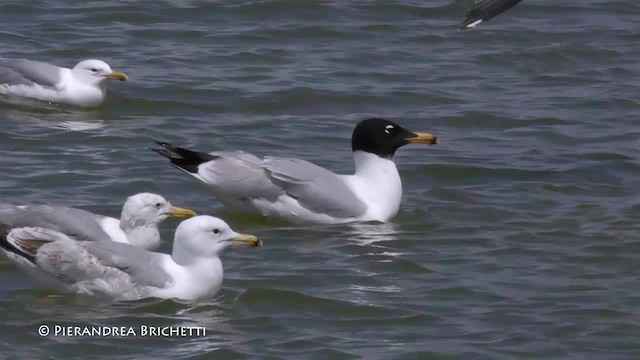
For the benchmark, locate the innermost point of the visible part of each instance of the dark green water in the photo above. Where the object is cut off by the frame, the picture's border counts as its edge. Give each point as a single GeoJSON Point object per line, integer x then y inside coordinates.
{"type": "Point", "coordinates": [517, 236]}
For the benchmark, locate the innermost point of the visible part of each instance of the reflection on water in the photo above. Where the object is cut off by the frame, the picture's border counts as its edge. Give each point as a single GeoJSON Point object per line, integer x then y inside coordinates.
{"type": "Point", "coordinates": [80, 125]}
{"type": "Point", "coordinates": [381, 255]}
{"type": "Point", "coordinates": [360, 289]}
{"type": "Point", "coordinates": [513, 233]}
{"type": "Point", "coordinates": [52, 115]}
{"type": "Point", "coordinates": [371, 233]}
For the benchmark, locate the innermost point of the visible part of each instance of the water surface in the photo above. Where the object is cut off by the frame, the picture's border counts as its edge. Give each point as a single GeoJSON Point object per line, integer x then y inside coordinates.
{"type": "Point", "coordinates": [517, 236]}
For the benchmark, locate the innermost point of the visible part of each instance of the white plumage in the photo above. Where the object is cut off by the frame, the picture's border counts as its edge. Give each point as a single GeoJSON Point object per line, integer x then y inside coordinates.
{"type": "Point", "coordinates": [299, 191]}
{"type": "Point", "coordinates": [121, 271]}
{"type": "Point", "coordinates": [84, 85]}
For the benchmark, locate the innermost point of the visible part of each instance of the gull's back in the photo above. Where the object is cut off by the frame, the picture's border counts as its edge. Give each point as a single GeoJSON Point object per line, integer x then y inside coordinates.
{"type": "Point", "coordinates": [28, 72]}
{"type": "Point", "coordinates": [76, 223]}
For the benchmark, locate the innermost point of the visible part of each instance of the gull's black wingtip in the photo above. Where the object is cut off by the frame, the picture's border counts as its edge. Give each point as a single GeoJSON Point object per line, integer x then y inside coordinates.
{"type": "Point", "coordinates": [163, 144]}
{"type": "Point", "coordinates": [162, 152]}
{"type": "Point", "coordinates": [183, 159]}
{"type": "Point", "coordinates": [165, 151]}
{"type": "Point", "coordinates": [485, 10]}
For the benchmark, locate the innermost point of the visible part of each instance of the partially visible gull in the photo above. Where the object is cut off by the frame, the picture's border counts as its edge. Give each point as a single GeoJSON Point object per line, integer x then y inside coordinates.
{"type": "Point", "coordinates": [138, 223]}
{"type": "Point", "coordinates": [484, 10]}
{"type": "Point", "coordinates": [85, 85]}
{"type": "Point", "coordinates": [124, 272]}
{"type": "Point", "coordinates": [300, 191]}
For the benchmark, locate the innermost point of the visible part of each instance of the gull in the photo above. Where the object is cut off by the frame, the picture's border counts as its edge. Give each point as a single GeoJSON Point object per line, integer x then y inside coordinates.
{"type": "Point", "coordinates": [84, 86]}
{"type": "Point", "coordinates": [299, 191]}
{"type": "Point", "coordinates": [138, 223]}
{"type": "Point", "coordinates": [485, 10]}
{"type": "Point", "coordinates": [103, 268]}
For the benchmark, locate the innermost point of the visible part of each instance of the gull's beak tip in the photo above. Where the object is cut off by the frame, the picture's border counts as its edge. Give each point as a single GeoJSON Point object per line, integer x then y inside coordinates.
{"type": "Point", "coordinates": [247, 240]}
{"type": "Point", "coordinates": [178, 212]}
{"type": "Point", "coordinates": [423, 138]}
{"type": "Point", "coordinates": [117, 75]}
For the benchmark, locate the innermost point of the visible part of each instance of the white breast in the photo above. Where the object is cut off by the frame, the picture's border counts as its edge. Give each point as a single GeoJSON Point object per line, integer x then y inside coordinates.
{"type": "Point", "coordinates": [202, 279]}
{"type": "Point", "coordinates": [78, 93]}
{"type": "Point", "coordinates": [377, 183]}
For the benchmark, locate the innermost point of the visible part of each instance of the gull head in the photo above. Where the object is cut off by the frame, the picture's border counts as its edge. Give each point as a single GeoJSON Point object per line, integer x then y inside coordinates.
{"type": "Point", "coordinates": [206, 236]}
{"type": "Point", "coordinates": [383, 137]}
{"type": "Point", "coordinates": [96, 72]}
{"type": "Point", "coordinates": [146, 209]}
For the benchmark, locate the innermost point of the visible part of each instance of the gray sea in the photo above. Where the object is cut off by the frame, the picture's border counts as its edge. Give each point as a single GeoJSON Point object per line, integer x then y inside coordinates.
{"type": "Point", "coordinates": [517, 236]}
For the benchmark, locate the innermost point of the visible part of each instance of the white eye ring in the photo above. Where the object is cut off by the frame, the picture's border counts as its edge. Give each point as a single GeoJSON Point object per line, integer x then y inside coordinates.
{"type": "Point", "coordinates": [387, 129]}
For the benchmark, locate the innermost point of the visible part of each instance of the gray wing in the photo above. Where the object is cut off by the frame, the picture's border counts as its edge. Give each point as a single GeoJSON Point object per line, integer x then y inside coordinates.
{"type": "Point", "coordinates": [72, 261]}
{"type": "Point", "coordinates": [75, 223]}
{"type": "Point", "coordinates": [144, 267]}
{"type": "Point", "coordinates": [238, 174]}
{"type": "Point", "coordinates": [231, 175]}
{"type": "Point", "coordinates": [28, 72]}
{"type": "Point", "coordinates": [315, 188]}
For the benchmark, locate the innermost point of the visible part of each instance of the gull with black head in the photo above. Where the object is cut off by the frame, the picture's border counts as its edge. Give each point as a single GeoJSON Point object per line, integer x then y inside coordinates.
{"type": "Point", "coordinates": [299, 191]}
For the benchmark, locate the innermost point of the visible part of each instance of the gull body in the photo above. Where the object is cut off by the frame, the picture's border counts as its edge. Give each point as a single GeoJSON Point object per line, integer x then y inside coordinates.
{"type": "Point", "coordinates": [121, 271]}
{"type": "Point", "coordinates": [138, 224]}
{"type": "Point", "coordinates": [84, 85]}
{"type": "Point", "coordinates": [299, 191]}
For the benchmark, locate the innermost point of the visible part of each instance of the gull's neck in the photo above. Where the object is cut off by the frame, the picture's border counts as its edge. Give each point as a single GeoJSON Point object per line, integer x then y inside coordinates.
{"type": "Point", "coordinates": [377, 183]}
{"type": "Point", "coordinates": [368, 164]}
{"type": "Point", "coordinates": [145, 236]}
{"type": "Point", "coordinates": [202, 276]}
{"type": "Point", "coordinates": [206, 274]}
{"type": "Point", "coordinates": [79, 92]}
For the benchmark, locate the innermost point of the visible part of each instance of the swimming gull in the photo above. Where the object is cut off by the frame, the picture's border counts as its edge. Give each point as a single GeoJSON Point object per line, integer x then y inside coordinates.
{"type": "Point", "coordinates": [484, 10]}
{"type": "Point", "coordinates": [138, 223]}
{"type": "Point", "coordinates": [300, 191]}
{"type": "Point", "coordinates": [85, 85]}
{"type": "Point", "coordinates": [125, 272]}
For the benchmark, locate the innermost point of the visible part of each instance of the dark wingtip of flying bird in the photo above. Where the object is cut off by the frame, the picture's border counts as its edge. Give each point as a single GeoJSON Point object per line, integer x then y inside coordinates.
{"type": "Point", "coordinates": [484, 10]}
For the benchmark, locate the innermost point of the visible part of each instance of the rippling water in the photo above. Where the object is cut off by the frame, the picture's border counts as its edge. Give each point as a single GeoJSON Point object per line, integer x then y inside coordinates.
{"type": "Point", "coordinates": [517, 235]}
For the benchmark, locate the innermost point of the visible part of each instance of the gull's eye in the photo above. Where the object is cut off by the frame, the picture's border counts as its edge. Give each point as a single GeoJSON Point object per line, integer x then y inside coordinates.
{"type": "Point", "coordinates": [158, 205]}
{"type": "Point", "coordinates": [216, 231]}
{"type": "Point", "coordinates": [94, 70]}
{"type": "Point", "coordinates": [389, 129]}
